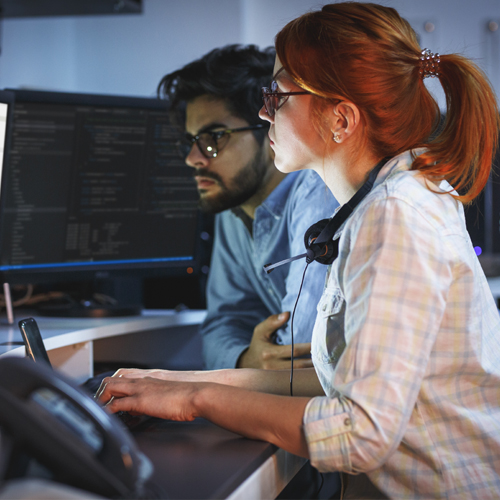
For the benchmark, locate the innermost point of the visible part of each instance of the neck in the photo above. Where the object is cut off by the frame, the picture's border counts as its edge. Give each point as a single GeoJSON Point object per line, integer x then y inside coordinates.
{"type": "Point", "coordinates": [344, 175]}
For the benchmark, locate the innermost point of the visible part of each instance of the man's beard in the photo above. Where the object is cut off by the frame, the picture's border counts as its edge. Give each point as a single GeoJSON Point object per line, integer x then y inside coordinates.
{"type": "Point", "coordinates": [242, 187]}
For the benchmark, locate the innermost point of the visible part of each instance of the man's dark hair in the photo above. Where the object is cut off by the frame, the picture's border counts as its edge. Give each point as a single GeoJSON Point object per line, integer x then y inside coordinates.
{"type": "Point", "coordinates": [234, 73]}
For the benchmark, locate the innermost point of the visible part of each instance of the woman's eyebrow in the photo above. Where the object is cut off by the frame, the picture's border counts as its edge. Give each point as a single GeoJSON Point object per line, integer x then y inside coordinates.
{"type": "Point", "coordinates": [278, 72]}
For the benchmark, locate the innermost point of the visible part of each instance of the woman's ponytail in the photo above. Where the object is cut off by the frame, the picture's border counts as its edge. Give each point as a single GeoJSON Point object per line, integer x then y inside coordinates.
{"type": "Point", "coordinates": [462, 152]}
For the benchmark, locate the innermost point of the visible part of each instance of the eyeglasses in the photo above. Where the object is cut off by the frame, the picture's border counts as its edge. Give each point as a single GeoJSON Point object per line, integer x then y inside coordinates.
{"type": "Point", "coordinates": [272, 98]}
{"type": "Point", "coordinates": [210, 143]}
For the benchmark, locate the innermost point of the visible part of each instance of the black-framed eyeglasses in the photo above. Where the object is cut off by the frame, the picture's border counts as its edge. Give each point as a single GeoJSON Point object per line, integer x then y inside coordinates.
{"type": "Point", "coordinates": [210, 143]}
{"type": "Point", "coordinates": [273, 100]}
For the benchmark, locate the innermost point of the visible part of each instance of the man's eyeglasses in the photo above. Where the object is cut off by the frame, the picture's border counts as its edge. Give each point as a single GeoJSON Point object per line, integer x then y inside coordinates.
{"type": "Point", "coordinates": [273, 100]}
{"type": "Point", "coordinates": [210, 143]}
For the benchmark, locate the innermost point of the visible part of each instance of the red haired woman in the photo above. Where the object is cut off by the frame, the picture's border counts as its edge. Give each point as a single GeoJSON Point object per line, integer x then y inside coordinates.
{"type": "Point", "coordinates": [405, 394]}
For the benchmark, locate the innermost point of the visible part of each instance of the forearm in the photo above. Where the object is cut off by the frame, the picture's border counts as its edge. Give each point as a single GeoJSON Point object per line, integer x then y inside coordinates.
{"type": "Point", "coordinates": [305, 381]}
{"type": "Point", "coordinates": [267, 417]}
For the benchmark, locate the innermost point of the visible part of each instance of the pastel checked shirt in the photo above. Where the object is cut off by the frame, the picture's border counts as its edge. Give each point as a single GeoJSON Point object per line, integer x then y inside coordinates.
{"type": "Point", "coordinates": [407, 348]}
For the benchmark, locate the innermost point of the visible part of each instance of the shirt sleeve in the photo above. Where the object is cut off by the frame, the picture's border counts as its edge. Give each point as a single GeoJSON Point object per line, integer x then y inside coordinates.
{"type": "Point", "coordinates": [394, 272]}
{"type": "Point", "coordinates": [234, 306]}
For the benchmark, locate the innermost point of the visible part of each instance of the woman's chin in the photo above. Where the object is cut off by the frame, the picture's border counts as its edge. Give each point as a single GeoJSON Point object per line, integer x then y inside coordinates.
{"type": "Point", "coordinates": [286, 167]}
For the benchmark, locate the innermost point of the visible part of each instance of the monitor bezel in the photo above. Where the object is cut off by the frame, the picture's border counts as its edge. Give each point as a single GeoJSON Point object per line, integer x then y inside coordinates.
{"type": "Point", "coordinates": [100, 270]}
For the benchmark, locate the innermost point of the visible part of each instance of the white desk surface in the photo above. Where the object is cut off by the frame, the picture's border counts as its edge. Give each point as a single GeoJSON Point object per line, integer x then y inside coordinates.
{"type": "Point", "coordinates": [63, 332]}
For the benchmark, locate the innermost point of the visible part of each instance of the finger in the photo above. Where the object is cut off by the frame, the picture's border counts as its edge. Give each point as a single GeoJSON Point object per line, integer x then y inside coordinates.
{"type": "Point", "coordinates": [128, 372]}
{"type": "Point", "coordinates": [285, 351]}
{"type": "Point", "coordinates": [267, 327]}
{"type": "Point", "coordinates": [111, 386]}
{"type": "Point", "coordinates": [100, 390]}
{"type": "Point", "coordinates": [115, 405]}
{"type": "Point", "coordinates": [302, 363]}
{"type": "Point", "coordinates": [303, 349]}
{"type": "Point", "coordinates": [286, 364]}
{"type": "Point", "coordinates": [282, 317]}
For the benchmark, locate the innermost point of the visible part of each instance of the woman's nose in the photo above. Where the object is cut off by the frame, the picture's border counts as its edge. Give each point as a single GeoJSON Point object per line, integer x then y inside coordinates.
{"type": "Point", "coordinates": [264, 116]}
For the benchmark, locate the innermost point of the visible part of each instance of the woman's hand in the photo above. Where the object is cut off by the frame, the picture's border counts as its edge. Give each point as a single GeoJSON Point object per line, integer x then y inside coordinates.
{"type": "Point", "coordinates": [149, 396]}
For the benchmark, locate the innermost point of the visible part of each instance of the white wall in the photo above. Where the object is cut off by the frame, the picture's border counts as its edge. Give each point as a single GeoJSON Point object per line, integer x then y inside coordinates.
{"type": "Point", "coordinates": [128, 54]}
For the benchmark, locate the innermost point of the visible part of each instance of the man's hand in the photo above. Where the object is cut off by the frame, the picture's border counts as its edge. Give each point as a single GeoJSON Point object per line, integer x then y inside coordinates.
{"type": "Point", "coordinates": [264, 353]}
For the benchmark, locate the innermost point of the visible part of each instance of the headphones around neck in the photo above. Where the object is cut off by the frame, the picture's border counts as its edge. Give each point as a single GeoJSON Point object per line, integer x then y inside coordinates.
{"type": "Point", "coordinates": [324, 253]}
{"type": "Point", "coordinates": [318, 239]}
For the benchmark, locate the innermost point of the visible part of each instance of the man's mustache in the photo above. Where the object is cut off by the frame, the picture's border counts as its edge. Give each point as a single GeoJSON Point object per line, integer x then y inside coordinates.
{"type": "Point", "coordinates": [203, 172]}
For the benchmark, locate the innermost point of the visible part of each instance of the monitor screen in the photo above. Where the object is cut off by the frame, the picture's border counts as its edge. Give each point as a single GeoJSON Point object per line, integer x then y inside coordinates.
{"type": "Point", "coordinates": [92, 187]}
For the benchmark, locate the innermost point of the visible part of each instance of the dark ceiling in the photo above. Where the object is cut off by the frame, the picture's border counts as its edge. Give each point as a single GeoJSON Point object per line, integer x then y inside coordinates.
{"type": "Point", "coordinates": [39, 8]}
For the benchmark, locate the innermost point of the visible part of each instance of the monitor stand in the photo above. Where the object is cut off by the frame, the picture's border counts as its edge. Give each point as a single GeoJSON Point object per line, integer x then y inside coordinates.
{"type": "Point", "coordinates": [99, 299]}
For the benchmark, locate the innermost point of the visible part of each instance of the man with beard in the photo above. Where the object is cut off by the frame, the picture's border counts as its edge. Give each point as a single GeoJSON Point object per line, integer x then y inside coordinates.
{"type": "Point", "coordinates": [262, 214]}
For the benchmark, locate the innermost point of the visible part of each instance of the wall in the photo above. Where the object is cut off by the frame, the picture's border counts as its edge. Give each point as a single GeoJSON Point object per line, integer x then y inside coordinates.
{"type": "Point", "coordinates": [128, 54]}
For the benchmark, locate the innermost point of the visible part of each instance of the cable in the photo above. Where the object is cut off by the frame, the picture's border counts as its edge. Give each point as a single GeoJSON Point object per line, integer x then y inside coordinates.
{"type": "Point", "coordinates": [30, 298]}
{"type": "Point", "coordinates": [291, 328]}
{"type": "Point", "coordinates": [322, 480]}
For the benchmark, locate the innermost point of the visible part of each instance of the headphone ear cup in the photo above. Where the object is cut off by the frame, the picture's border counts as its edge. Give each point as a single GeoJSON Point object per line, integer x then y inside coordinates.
{"type": "Point", "coordinates": [325, 253]}
{"type": "Point", "coordinates": [314, 231]}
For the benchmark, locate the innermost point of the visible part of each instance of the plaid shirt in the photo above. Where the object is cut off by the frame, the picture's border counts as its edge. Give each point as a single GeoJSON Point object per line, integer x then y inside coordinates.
{"type": "Point", "coordinates": [407, 348]}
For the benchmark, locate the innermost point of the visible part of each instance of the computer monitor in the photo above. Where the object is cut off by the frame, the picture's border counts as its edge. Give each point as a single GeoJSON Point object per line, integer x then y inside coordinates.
{"type": "Point", "coordinates": [92, 187]}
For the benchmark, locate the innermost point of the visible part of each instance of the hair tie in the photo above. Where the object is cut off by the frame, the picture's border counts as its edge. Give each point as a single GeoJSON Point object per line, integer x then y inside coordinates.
{"type": "Point", "coordinates": [429, 64]}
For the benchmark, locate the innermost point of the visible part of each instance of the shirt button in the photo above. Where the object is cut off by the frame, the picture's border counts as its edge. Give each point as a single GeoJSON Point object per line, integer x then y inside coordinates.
{"type": "Point", "coordinates": [347, 422]}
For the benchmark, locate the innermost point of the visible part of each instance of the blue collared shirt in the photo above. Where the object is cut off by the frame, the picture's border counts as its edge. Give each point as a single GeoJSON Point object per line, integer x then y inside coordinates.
{"type": "Point", "coordinates": [240, 294]}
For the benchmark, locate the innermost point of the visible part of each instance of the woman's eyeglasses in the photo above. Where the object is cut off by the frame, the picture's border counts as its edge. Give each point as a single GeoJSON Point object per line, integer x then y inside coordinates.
{"type": "Point", "coordinates": [273, 100]}
{"type": "Point", "coordinates": [210, 143]}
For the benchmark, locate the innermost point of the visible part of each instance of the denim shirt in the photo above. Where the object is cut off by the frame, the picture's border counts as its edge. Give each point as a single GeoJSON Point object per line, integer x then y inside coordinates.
{"type": "Point", "coordinates": [240, 294]}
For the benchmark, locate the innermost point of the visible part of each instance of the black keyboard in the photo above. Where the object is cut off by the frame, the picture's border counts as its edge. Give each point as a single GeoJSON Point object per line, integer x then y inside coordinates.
{"type": "Point", "coordinates": [132, 421]}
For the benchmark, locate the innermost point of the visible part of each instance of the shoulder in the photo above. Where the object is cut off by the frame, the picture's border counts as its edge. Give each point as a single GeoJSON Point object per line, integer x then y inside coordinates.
{"type": "Point", "coordinates": [300, 193]}
{"type": "Point", "coordinates": [308, 185]}
{"type": "Point", "coordinates": [309, 179]}
{"type": "Point", "coordinates": [411, 191]}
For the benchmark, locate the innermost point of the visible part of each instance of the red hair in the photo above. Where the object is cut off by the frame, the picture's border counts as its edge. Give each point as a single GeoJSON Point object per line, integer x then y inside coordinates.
{"type": "Point", "coordinates": [369, 55]}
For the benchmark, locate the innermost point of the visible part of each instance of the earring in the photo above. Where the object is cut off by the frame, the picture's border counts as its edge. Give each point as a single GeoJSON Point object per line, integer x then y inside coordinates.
{"type": "Point", "coordinates": [336, 137]}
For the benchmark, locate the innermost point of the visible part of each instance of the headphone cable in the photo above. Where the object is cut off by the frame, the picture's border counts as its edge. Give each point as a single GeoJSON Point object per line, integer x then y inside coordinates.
{"type": "Point", "coordinates": [291, 328]}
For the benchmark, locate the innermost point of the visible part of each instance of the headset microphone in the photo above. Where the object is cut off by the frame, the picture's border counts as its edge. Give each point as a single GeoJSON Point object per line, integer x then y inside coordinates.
{"type": "Point", "coordinates": [319, 242]}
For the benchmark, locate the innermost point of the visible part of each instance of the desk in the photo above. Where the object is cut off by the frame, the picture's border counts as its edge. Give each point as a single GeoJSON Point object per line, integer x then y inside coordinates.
{"type": "Point", "coordinates": [72, 342]}
{"type": "Point", "coordinates": [192, 459]}
{"type": "Point", "coordinates": [195, 460]}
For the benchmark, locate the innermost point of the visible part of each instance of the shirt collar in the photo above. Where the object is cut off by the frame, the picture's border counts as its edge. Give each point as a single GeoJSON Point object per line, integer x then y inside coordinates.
{"type": "Point", "coordinates": [399, 163]}
{"type": "Point", "coordinates": [275, 203]}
